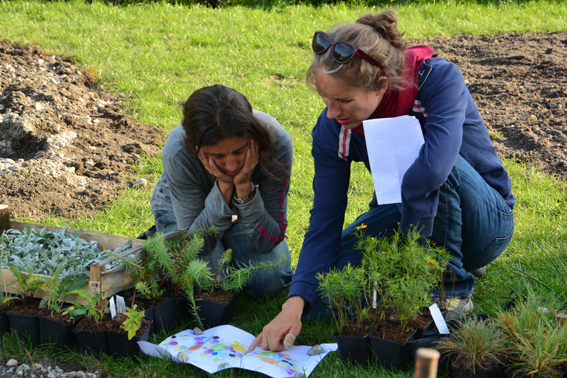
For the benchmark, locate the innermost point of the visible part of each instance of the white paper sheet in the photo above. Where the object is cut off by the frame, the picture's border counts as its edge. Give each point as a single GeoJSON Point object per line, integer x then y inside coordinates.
{"type": "Point", "coordinates": [225, 346]}
{"type": "Point", "coordinates": [393, 144]}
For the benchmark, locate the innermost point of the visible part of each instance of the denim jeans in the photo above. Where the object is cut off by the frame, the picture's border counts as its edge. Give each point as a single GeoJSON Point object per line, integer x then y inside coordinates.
{"type": "Point", "coordinates": [473, 222]}
{"type": "Point", "coordinates": [261, 283]}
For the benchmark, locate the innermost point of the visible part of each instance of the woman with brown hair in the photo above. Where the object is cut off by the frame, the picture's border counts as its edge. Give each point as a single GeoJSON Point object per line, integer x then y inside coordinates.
{"type": "Point", "coordinates": [226, 160]}
{"type": "Point", "coordinates": [457, 192]}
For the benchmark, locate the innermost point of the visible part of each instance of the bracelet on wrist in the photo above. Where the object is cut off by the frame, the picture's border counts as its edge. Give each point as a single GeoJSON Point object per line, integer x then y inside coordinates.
{"type": "Point", "coordinates": [245, 199]}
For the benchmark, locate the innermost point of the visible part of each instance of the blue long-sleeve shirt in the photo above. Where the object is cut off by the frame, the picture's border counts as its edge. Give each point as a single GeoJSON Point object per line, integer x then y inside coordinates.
{"type": "Point", "coordinates": [451, 125]}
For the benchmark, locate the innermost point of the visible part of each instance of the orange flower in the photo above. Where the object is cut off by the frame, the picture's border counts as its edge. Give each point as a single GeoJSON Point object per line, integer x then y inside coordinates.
{"type": "Point", "coordinates": [430, 262]}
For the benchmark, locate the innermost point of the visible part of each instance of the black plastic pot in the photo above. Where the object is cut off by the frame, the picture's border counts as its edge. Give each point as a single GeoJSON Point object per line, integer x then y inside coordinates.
{"type": "Point", "coordinates": [26, 327]}
{"type": "Point", "coordinates": [181, 306]}
{"type": "Point", "coordinates": [492, 373]}
{"type": "Point", "coordinates": [444, 363]}
{"type": "Point", "coordinates": [213, 314]}
{"type": "Point", "coordinates": [54, 332]}
{"type": "Point", "coordinates": [93, 341]}
{"type": "Point", "coordinates": [354, 349]}
{"type": "Point", "coordinates": [4, 323]}
{"type": "Point", "coordinates": [120, 345]}
{"type": "Point", "coordinates": [389, 354]}
{"type": "Point", "coordinates": [162, 314]}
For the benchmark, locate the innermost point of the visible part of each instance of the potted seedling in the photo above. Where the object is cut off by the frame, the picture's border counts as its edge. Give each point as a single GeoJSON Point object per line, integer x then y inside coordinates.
{"type": "Point", "coordinates": [176, 258]}
{"type": "Point", "coordinates": [99, 333]}
{"type": "Point", "coordinates": [476, 347]}
{"type": "Point", "coordinates": [344, 291]}
{"type": "Point", "coordinates": [149, 284]}
{"type": "Point", "coordinates": [166, 274]}
{"type": "Point", "coordinates": [535, 340]}
{"type": "Point", "coordinates": [55, 324]}
{"type": "Point", "coordinates": [217, 291]}
{"type": "Point", "coordinates": [23, 317]}
{"type": "Point", "coordinates": [134, 327]}
{"type": "Point", "coordinates": [402, 270]}
{"type": "Point", "coordinates": [88, 330]}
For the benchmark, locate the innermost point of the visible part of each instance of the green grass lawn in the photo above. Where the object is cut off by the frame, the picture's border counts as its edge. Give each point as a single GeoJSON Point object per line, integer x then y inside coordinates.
{"type": "Point", "coordinates": [160, 53]}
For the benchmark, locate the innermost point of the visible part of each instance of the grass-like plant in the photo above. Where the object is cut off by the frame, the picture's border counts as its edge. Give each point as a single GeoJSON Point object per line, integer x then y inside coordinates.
{"type": "Point", "coordinates": [536, 342]}
{"type": "Point", "coordinates": [475, 345]}
{"type": "Point", "coordinates": [59, 289]}
{"type": "Point", "coordinates": [344, 289]}
{"type": "Point", "coordinates": [402, 269]}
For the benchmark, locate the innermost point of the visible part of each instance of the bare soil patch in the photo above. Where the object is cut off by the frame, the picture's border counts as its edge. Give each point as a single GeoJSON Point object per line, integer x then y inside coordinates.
{"type": "Point", "coordinates": [519, 83]}
{"type": "Point", "coordinates": [68, 148]}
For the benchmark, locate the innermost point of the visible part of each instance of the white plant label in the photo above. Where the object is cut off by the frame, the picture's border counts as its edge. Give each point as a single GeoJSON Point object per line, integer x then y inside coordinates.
{"type": "Point", "coordinates": [120, 304]}
{"type": "Point", "coordinates": [112, 306]}
{"type": "Point", "coordinates": [439, 319]}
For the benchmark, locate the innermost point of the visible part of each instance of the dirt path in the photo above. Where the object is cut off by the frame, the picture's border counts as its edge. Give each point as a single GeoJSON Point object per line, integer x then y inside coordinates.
{"type": "Point", "coordinates": [67, 148]}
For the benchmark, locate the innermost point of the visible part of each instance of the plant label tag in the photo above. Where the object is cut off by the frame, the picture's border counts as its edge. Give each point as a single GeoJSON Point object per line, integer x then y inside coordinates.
{"type": "Point", "coordinates": [112, 306]}
{"type": "Point", "coordinates": [120, 304]}
{"type": "Point", "coordinates": [439, 319]}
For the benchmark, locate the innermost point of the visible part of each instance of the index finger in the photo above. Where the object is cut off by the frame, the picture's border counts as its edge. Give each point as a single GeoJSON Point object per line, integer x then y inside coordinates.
{"type": "Point", "coordinates": [255, 343]}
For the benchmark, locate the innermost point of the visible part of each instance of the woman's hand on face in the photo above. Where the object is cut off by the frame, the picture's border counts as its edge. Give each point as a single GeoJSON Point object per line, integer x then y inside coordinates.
{"type": "Point", "coordinates": [276, 334]}
{"type": "Point", "coordinates": [224, 181]}
{"type": "Point", "coordinates": [210, 166]}
{"type": "Point", "coordinates": [242, 179]}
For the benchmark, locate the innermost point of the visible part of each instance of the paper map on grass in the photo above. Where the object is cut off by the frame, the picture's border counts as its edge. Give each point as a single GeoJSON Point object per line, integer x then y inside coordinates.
{"type": "Point", "coordinates": [225, 346]}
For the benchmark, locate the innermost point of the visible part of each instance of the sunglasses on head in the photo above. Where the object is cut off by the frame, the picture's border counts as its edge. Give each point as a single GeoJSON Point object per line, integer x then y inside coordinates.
{"type": "Point", "coordinates": [343, 52]}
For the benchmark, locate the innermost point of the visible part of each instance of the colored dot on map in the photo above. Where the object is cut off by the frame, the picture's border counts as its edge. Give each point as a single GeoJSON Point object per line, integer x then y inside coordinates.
{"type": "Point", "coordinates": [173, 343]}
{"type": "Point", "coordinates": [228, 347]}
{"type": "Point", "coordinates": [209, 351]}
{"type": "Point", "coordinates": [214, 353]}
{"type": "Point", "coordinates": [184, 347]}
{"type": "Point", "coordinates": [238, 354]}
{"type": "Point", "coordinates": [231, 355]}
{"type": "Point", "coordinates": [173, 337]}
{"type": "Point", "coordinates": [216, 337]}
{"type": "Point", "coordinates": [280, 354]}
{"type": "Point", "coordinates": [238, 348]}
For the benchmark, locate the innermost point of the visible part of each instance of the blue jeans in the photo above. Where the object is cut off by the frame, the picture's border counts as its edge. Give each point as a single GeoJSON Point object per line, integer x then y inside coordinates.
{"type": "Point", "coordinates": [261, 283]}
{"type": "Point", "coordinates": [473, 222]}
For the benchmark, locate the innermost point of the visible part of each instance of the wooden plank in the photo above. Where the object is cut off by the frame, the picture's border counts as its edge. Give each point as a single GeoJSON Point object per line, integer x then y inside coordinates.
{"type": "Point", "coordinates": [4, 218]}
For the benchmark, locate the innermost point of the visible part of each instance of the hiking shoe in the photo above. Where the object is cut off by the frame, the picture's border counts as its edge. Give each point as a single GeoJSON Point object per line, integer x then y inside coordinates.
{"type": "Point", "coordinates": [479, 273]}
{"type": "Point", "coordinates": [454, 307]}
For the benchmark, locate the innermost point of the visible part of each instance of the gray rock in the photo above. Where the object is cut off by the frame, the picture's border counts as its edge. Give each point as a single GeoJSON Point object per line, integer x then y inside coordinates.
{"type": "Point", "coordinates": [298, 374]}
{"type": "Point", "coordinates": [12, 362]}
{"type": "Point", "coordinates": [315, 350]}
{"type": "Point", "coordinates": [140, 182]}
{"type": "Point", "coordinates": [197, 331]}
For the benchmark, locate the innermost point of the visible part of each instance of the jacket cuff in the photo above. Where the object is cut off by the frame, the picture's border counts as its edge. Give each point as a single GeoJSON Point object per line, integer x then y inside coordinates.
{"type": "Point", "coordinates": [306, 291]}
{"type": "Point", "coordinates": [423, 225]}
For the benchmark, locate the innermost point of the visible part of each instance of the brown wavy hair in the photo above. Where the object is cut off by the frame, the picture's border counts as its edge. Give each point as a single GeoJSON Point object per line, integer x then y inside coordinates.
{"type": "Point", "coordinates": [376, 35]}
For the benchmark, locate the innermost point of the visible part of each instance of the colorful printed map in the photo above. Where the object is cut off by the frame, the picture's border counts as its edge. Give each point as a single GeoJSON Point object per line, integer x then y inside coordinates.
{"type": "Point", "coordinates": [224, 347]}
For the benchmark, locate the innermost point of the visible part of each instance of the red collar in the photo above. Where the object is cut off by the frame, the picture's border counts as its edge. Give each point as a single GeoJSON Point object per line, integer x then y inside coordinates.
{"type": "Point", "coordinates": [396, 103]}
